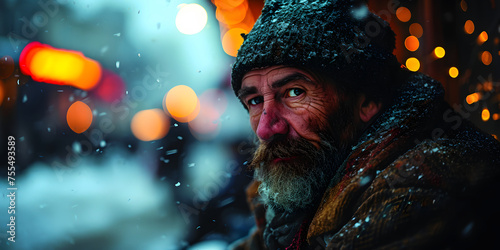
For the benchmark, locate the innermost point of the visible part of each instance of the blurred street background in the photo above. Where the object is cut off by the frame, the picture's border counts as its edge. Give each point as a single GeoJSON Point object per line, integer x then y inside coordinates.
{"type": "Point", "coordinates": [127, 132]}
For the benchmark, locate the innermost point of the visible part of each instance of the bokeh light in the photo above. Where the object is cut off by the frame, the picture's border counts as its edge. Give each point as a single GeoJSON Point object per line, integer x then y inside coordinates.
{"type": "Point", "coordinates": [483, 37]}
{"type": "Point", "coordinates": [58, 66]}
{"type": "Point", "coordinates": [232, 41]}
{"type": "Point", "coordinates": [184, 119]}
{"type": "Point", "coordinates": [495, 117]}
{"type": "Point", "coordinates": [181, 102]}
{"type": "Point", "coordinates": [463, 5]}
{"type": "Point", "coordinates": [216, 98]}
{"type": "Point", "coordinates": [227, 4]}
{"type": "Point", "coordinates": [7, 66]}
{"type": "Point", "coordinates": [79, 117]}
{"type": "Point", "coordinates": [485, 115]}
{"type": "Point", "coordinates": [412, 43]}
{"type": "Point", "coordinates": [453, 71]}
{"type": "Point", "coordinates": [487, 86]}
{"type": "Point", "coordinates": [232, 16]}
{"type": "Point", "coordinates": [207, 124]}
{"type": "Point", "coordinates": [110, 88]}
{"type": "Point", "coordinates": [416, 30]}
{"type": "Point", "coordinates": [469, 27]}
{"type": "Point", "coordinates": [191, 19]}
{"type": "Point", "coordinates": [439, 52]}
{"type": "Point", "coordinates": [403, 14]}
{"type": "Point", "coordinates": [473, 98]}
{"type": "Point", "coordinates": [486, 58]}
{"type": "Point", "coordinates": [150, 125]}
{"type": "Point", "coordinates": [413, 64]}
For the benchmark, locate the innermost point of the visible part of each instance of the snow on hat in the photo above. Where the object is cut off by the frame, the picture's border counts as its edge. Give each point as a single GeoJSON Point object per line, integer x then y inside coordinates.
{"type": "Point", "coordinates": [339, 37]}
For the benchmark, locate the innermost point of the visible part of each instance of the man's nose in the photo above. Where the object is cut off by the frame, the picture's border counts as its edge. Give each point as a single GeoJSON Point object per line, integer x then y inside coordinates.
{"type": "Point", "coordinates": [271, 123]}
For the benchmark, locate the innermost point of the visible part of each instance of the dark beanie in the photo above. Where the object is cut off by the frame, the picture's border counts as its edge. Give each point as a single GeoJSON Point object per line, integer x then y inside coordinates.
{"type": "Point", "coordinates": [341, 38]}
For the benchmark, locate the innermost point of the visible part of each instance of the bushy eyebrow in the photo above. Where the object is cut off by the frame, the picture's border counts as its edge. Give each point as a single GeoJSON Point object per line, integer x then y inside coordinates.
{"type": "Point", "coordinates": [245, 91]}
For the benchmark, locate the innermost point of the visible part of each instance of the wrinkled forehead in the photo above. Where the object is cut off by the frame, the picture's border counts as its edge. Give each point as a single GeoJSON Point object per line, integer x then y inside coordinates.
{"type": "Point", "coordinates": [272, 74]}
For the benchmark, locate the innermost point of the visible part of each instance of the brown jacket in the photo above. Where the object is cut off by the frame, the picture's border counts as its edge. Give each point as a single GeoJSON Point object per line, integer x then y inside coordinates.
{"type": "Point", "coordinates": [419, 177]}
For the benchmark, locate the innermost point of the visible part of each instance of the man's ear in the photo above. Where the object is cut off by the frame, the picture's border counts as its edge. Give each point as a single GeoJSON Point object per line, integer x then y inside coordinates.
{"type": "Point", "coordinates": [367, 110]}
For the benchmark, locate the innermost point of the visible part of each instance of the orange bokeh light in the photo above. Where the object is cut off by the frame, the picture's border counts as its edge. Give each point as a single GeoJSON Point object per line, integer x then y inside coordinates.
{"type": "Point", "coordinates": [416, 30]}
{"type": "Point", "coordinates": [483, 37]}
{"type": "Point", "coordinates": [439, 52]}
{"type": "Point", "coordinates": [473, 98]}
{"type": "Point", "coordinates": [232, 41]}
{"type": "Point", "coordinates": [182, 103]}
{"type": "Point", "coordinates": [412, 43]}
{"type": "Point", "coordinates": [453, 72]}
{"type": "Point", "coordinates": [469, 27]}
{"type": "Point", "coordinates": [413, 64]}
{"type": "Point", "coordinates": [486, 57]}
{"type": "Point", "coordinates": [403, 14]}
{"type": "Point", "coordinates": [227, 4]}
{"type": "Point", "coordinates": [232, 16]}
{"type": "Point", "coordinates": [463, 5]}
{"type": "Point", "coordinates": [79, 117]}
{"type": "Point", "coordinates": [58, 66]}
{"type": "Point", "coordinates": [150, 125]}
{"type": "Point", "coordinates": [485, 115]}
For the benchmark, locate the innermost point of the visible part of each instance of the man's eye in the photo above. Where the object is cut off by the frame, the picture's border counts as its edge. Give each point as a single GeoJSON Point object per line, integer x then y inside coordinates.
{"type": "Point", "coordinates": [255, 100]}
{"type": "Point", "coordinates": [294, 92]}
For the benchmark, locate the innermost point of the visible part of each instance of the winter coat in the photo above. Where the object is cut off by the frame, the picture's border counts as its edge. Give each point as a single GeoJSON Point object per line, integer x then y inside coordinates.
{"type": "Point", "coordinates": [419, 177]}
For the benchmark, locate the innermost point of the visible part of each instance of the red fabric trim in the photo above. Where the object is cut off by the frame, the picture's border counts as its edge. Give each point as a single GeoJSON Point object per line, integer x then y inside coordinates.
{"type": "Point", "coordinates": [299, 240]}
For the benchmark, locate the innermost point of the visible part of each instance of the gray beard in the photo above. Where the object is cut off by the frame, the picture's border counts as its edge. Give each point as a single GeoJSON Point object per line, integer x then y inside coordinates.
{"type": "Point", "coordinates": [292, 191]}
{"type": "Point", "coordinates": [289, 192]}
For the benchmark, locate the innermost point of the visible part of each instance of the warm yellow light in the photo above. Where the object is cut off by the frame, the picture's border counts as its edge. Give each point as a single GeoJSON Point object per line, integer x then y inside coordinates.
{"type": "Point", "coordinates": [495, 136]}
{"type": "Point", "coordinates": [483, 37]}
{"type": "Point", "coordinates": [463, 5]}
{"type": "Point", "coordinates": [191, 19]}
{"type": "Point", "coordinates": [412, 43]}
{"type": "Point", "coordinates": [416, 30]}
{"type": "Point", "coordinates": [486, 58]}
{"type": "Point", "coordinates": [413, 64]}
{"type": "Point", "coordinates": [232, 40]}
{"type": "Point", "coordinates": [403, 14]}
{"type": "Point", "coordinates": [485, 115]}
{"type": "Point", "coordinates": [79, 117]}
{"type": "Point", "coordinates": [150, 125]}
{"type": "Point", "coordinates": [473, 98]}
{"type": "Point", "coordinates": [58, 66]}
{"type": "Point", "coordinates": [439, 52]}
{"type": "Point", "coordinates": [469, 27]}
{"type": "Point", "coordinates": [496, 116]}
{"type": "Point", "coordinates": [181, 102]}
{"type": "Point", "coordinates": [453, 72]}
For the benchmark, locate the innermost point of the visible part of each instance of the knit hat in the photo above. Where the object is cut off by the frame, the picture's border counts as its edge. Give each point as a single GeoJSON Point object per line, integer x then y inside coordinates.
{"type": "Point", "coordinates": [339, 37]}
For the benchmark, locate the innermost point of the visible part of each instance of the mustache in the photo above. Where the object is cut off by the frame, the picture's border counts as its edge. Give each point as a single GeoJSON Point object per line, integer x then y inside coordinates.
{"type": "Point", "coordinates": [279, 146]}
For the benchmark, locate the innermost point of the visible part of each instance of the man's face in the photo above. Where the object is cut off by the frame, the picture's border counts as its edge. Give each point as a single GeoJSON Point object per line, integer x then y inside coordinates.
{"type": "Point", "coordinates": [300, 123]}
